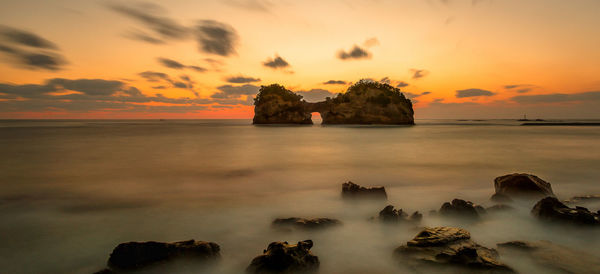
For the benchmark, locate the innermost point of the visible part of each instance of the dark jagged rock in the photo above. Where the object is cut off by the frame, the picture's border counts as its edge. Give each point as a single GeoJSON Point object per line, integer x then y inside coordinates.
{"type": "Point", "coordinates": [446, 247]}
{"type": "Point", "coordinates": [303, 223]}
{"type": "Point", "coordinates": [553, 256]}
{"type": "Point", "coordinates": [392, 215]}
{"type": "Point", "coordinates": [365, 102]}
{"type": "Point", "coordinates": [275, 104]}
{"type": "Point", "coordinates": [520, 185]}
{"type": "Point", "coordinates": [281, 257]}
{"type": "Point", "coordinates": [461, 208]}
{"type": "Point", "coordinates": [352, 190]}
{"type": "Point", "coordinates": [551, 209]}
{"type": "Point", "coordinates": [500, 207]}
{"type": "Point", "coordinates": [137, 255]}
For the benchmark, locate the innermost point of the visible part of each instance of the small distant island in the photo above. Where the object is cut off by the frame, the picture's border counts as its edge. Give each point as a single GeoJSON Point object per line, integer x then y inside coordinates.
{"type": "Point", "coordinates": [365, 102]}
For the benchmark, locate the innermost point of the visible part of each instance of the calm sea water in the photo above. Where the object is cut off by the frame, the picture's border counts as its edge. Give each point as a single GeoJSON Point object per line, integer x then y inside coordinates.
{"type": "Point", "coordinates": [70, 191]}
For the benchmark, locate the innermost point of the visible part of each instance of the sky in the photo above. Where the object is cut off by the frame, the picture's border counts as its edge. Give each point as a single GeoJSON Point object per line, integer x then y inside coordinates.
{"type": "Point", "coordinates": [455, 59]}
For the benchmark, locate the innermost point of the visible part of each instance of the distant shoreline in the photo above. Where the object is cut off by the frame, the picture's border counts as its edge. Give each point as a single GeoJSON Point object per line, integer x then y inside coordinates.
{"type": "Point", "coordinates": [560, 124]}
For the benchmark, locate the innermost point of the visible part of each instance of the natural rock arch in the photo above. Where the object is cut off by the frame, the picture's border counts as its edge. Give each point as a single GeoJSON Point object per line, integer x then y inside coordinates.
{"type": "Point", "coordinates": [365, 102]}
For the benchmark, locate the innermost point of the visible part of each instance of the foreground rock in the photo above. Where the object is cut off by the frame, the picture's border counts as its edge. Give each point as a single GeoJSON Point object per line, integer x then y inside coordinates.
{"type": "Point", "coordinates": [281, 257]}
{"type": "Point", "coordinates": [139, 255]}
{"type": "Point", "coordinates": [366, 102]}
{"type": "Point", "coordinates": [461, 208]}
{"type": "Point", "coordinates": [303, 223]}
{"type": "Point", "coordinates": [443, 247]}
{"type": "Point", "coordinates": [391, 215]}
{"type": "Point", "coordinates": [551, 209]}
{"type": "Point", "coordinates": [520, 185]}
{"type": "Point", "coordinates": [352, 190]}
{"type": "Point", "coordinates": [552, 256]}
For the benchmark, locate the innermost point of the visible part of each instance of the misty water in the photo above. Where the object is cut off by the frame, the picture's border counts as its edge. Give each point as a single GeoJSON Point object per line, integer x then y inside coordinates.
{"type": "Point", "coordinates": [70, 191]}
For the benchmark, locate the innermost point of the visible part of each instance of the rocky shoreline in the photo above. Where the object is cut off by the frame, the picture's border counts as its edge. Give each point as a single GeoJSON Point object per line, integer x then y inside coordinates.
{"type": "Point", "coordinates": [431, 249]}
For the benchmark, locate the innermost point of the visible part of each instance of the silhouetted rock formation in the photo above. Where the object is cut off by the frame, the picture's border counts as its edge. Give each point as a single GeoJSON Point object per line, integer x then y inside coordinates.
{"type": "Point", "coordinates": [461, 208]}
{"type": "Point", "coordinates": [391, 215]}
{"type": "Point", "coordinates": [315, 223]}
{"type": "Point", "coordinates": [137, 255]}
{"type": "Point", "coordinates": [449, 247]}
{"type": "Point", "coordinates": [552, 209]}
{"type": "Point", "coordinates": [366, 102]}
{"type": "Point", "coordinates": [281, 257]}
{"type": "Point", "coordinates": [275, 104]}
{"type": "Point", "coordinates": [553, 256]}
{"type": "Point", "coordinates": [520, 185]}
{"type": "Point", "coordinates": [352, 190]}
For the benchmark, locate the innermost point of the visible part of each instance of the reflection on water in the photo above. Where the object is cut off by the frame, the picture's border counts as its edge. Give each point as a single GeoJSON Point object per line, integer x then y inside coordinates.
{"type": "Point", "coordinates": [70, 191]}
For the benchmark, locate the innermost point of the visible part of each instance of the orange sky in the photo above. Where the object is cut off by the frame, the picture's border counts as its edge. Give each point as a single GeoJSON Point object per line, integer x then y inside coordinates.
{"type": "Point", "coordinates": [477, 58]}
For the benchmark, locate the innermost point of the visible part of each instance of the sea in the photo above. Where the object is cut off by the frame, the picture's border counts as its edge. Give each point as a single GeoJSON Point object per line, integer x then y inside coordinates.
{"type": "Point", "coordinates": [72, 190]}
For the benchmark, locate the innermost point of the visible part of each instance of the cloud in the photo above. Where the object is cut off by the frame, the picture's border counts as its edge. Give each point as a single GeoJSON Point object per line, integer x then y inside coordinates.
{"type": "Point", "coordinates": [153, 76]}
{"type": "Point", "coordinates": [411, 95]}
{"type": "Point", "coordinates": [229, 91]}
{"type": "Point", "coordinates": [521, 88]}
{"type": "Point", "coordinates": [161, 25]}
{"type": "Point", "coordinates": [355, 53]}
{"type": "Point", "coordinates": [334, 82]}
{"type": "Point", "coordinates": [558, 97]}
{"type": "Point", "coordinates": [386, 80]}
{"type": "Point", "coordinates": [25, 38]}
{"type": "Point", "coordinates": [102, 95]}
{"type": "Point", "coordinates": [169, 63]}
{"type": "Point", "coordinates": [418, 73]}
{"type": "Point", "coordinates": [28, 50]}
{"type": "Point", "coordinates": [216, 38]}
{"type": "Point", "coordinates": [315, 95]}
{"type": "Point", "coordinates": [371, 42]}
{"type": "Point", "coordinates": [524, 90]}
{"type": "Point", "coordinates": [276, 63]}
{"type": "Point", "coordinates": [257, 5]}
{"type": "Point", "coordinates": [473, 92]}
{"type": "Point", "coordinates": [34, 60]}
{"type": "Point", "coordinates": [144, 37]}
{"type": "Point", "coordinates": [402, 84]}
{"type": "Point", "coordinates": [241, 79]}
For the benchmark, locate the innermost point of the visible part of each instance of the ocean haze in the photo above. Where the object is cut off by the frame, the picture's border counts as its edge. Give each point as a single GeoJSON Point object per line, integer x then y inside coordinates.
{"type": "Point", "coordinates": [71, 190]}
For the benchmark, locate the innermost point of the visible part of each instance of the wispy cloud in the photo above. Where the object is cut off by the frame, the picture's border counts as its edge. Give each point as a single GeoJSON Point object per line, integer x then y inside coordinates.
{"type": "Point", "coordinates": [473, 92]}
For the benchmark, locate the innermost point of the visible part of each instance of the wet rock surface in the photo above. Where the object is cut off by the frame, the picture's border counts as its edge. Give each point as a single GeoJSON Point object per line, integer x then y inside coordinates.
{"type": "Point", "coordinates": [304, 223]}
{"type": "Point", "coordinates": [553, 256]}
{"type": "Point", "coordinates": [351, 190]}
{"type": "Point", "coordinates": [391, 215]}
{"type": "Point", "coordinates": [445, 247]}
{"type": "Point", "coordinates": [583, 199]}
{"type": "Point", "coordinates": [462, 209]}
{"type": "Point", "coordinates": [139, 255]}
{"type": "Point", "coordinates": [520, 185]}
{"type": "Point", "coordinates": [281, 257]}
{"type": "Point", "coordinates": [551, 209]}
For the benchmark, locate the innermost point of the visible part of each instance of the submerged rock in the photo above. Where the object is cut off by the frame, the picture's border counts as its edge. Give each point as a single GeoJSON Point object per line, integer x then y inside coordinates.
{"type": "Point", "coordinates": [352, 190]}
{"type": "Point", "coordinates": [461, 208]}
{"type": "Point", "coordinates": [392, 215]}
{"type": "Point", "coordinates": [552, 256]}
{"type": "Point", "coordinates": [281, 257]}
{"type": "Point", "coordinates": [449, 247]}
{"type": "Point", "coordinates": [520, 185]}
{"type": "Point", "coordinates": [137, 255]}
{"type": "Point", "coordinates": [303, 223]}
{"type": "Point", "coordinates": [551, 209]}
{"type": "Point", "coordinates": [365, 102]}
